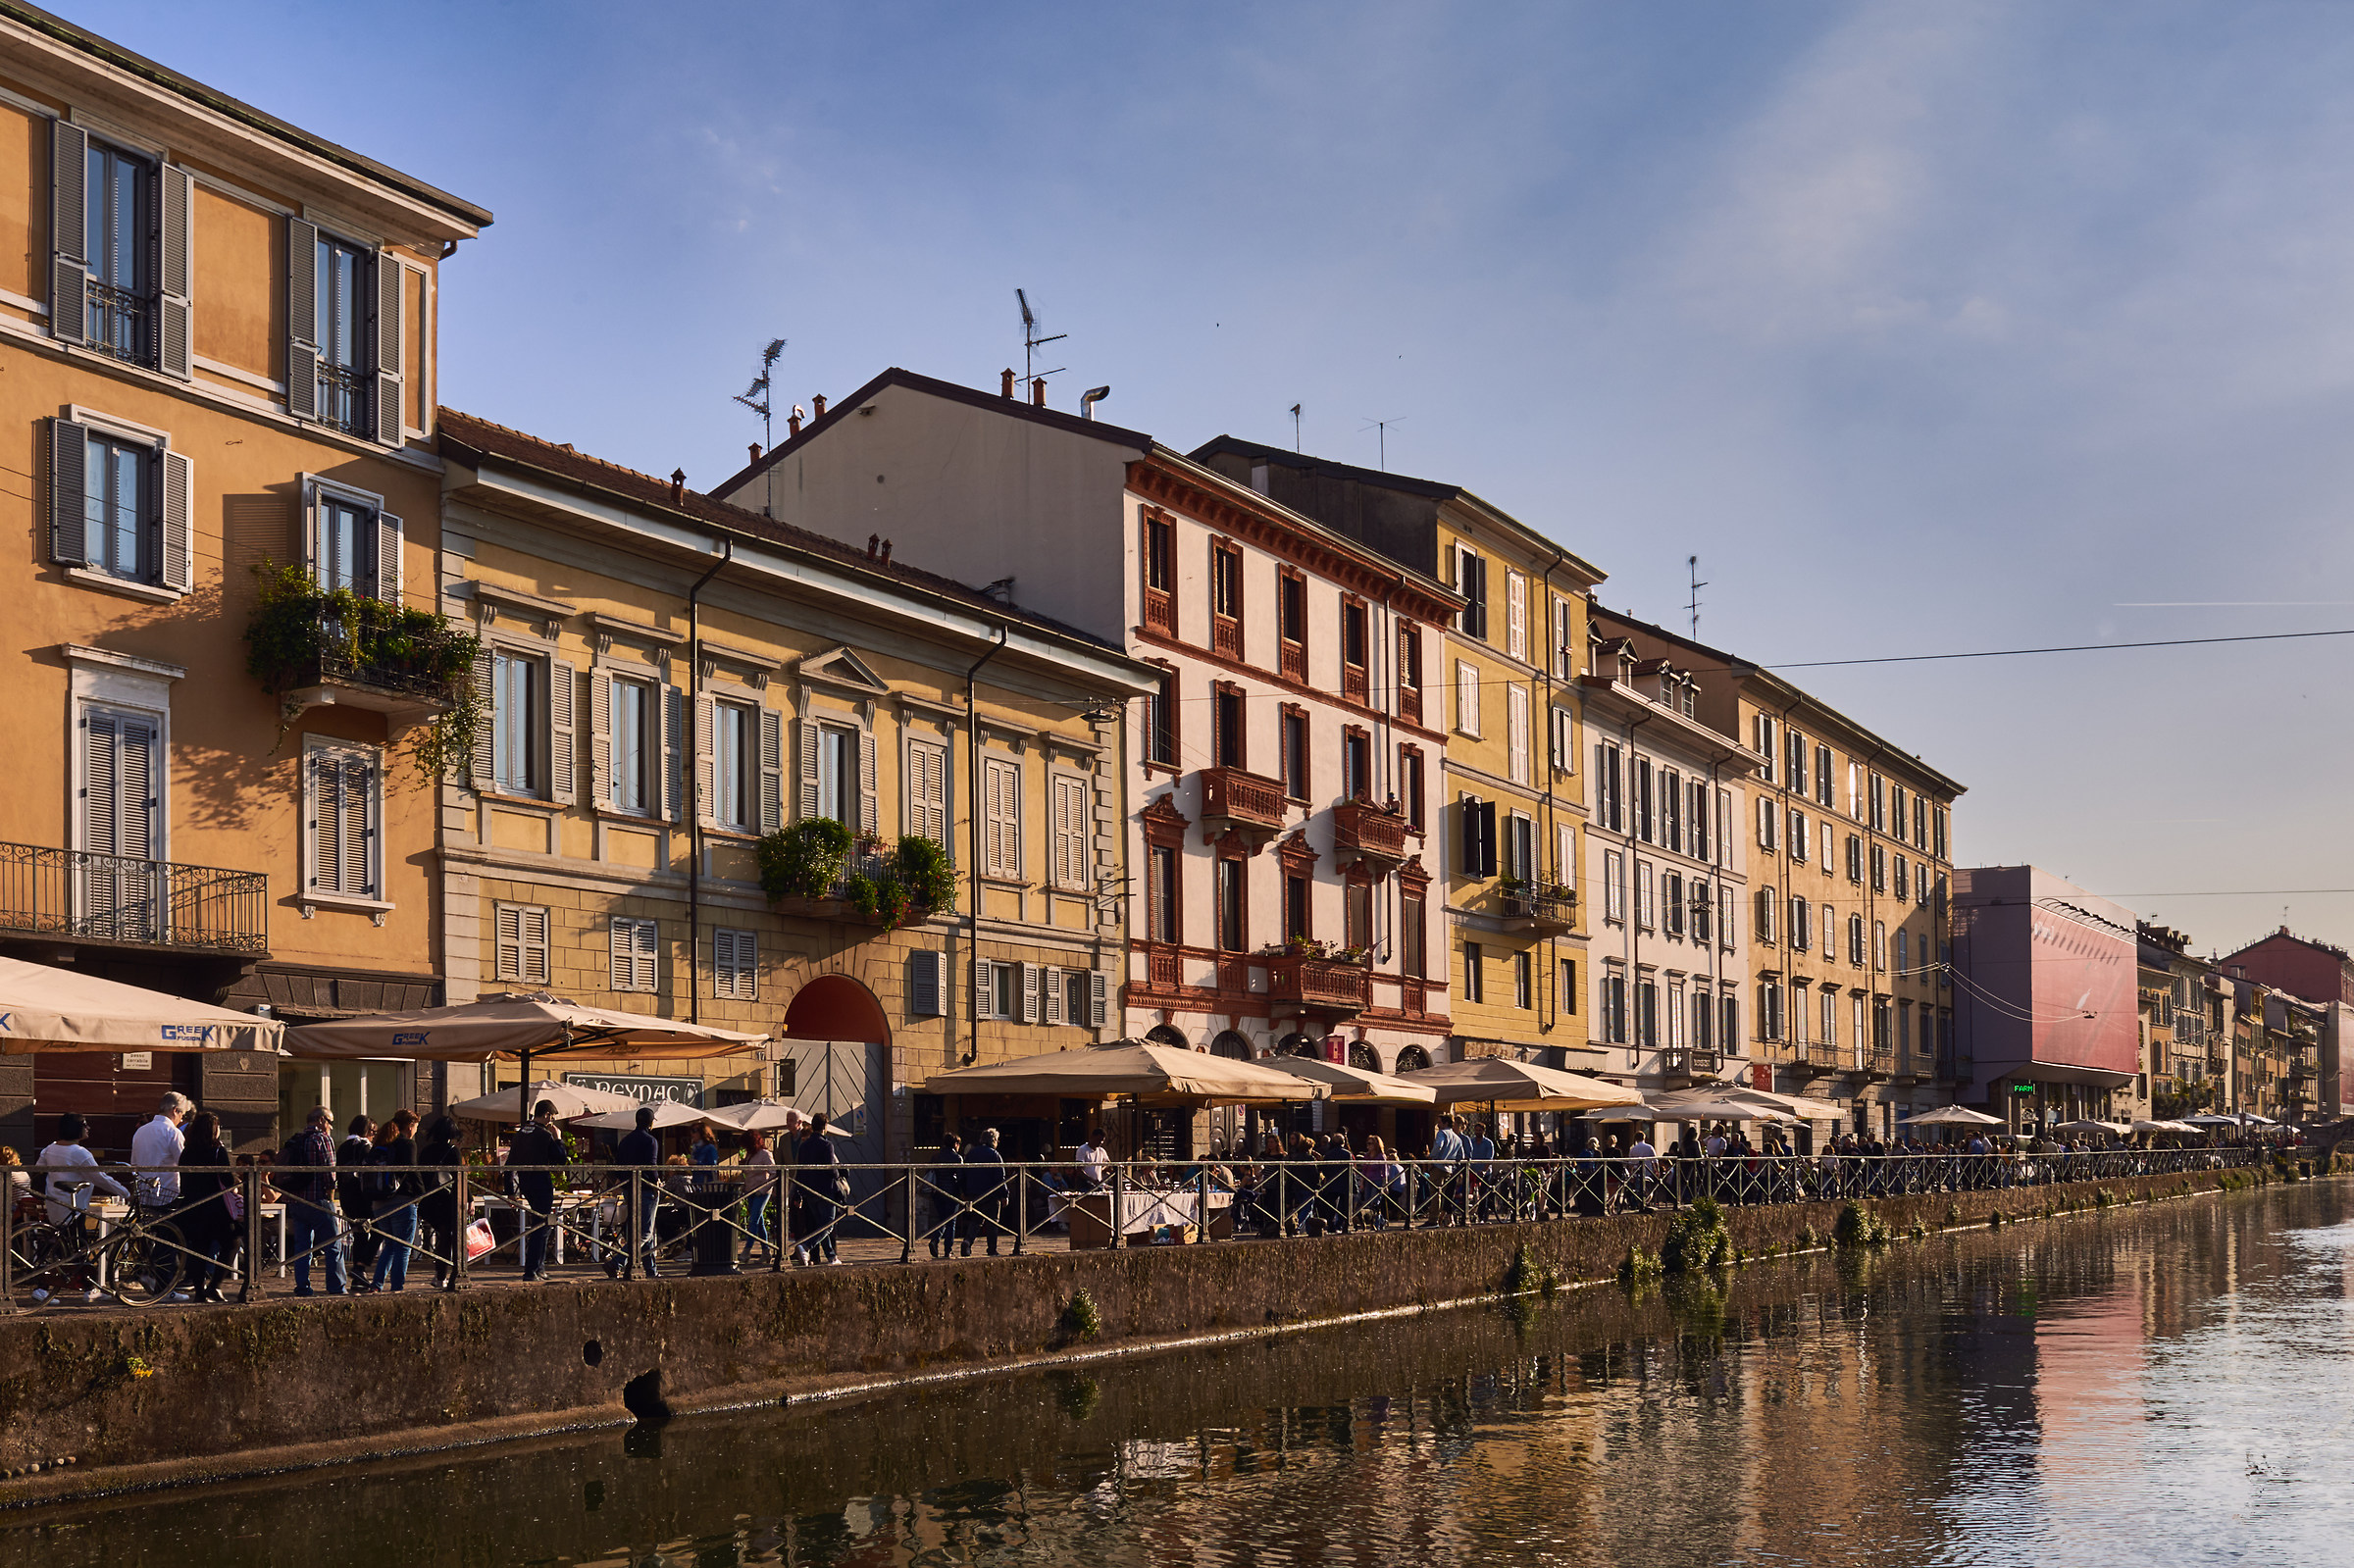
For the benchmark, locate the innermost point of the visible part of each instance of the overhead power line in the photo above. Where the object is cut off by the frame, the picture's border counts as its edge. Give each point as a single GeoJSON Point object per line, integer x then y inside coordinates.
{"type": "Point", "coordinates": [2073, 648]}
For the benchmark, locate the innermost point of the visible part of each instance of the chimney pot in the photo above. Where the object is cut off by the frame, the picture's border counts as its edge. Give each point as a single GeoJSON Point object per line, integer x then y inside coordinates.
{"type": "Point", "coordinates": [872, 540]}
{"type": "Point", "coordinates": [1006, 389]}
{"type": "Point", "coordinates": [793, 421]}
{"type": "Point", "coordinates": [885, 553]}
{"type": "Point", "coordinates": [1038, 391]}
{"type": "Point", "coordinates": [755, 448]}
{"type": "Point", "coordinates": [817, 406]}
{"type": "Point", "coordinates": [677, 485]}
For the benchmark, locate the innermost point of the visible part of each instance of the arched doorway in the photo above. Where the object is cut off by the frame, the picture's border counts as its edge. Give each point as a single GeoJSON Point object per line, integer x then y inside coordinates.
{"type": "Point", "coordinates": [1163, 1035]}
{"type": "Point", "coordinates": [1411, 1060]}
{"type": "Point", "coordinates": [1296, 1044]}
{"type": "Point", "coordinates": [1231, 1045]}
{"type": "Point", "coordinates": [1363, 1057]}
{"type": "Point", "coordinates": [835, 1053]}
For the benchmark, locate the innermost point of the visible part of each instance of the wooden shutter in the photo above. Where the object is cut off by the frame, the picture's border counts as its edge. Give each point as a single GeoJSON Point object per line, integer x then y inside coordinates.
{"type": "Point", "coordinates": [772, 771]}
{"type": "Point", "coordinates": [808, 767]}
{"type": "Point", "coordinates": [617, 953]}
{"type": "Point", "coordinates": [302, 318]}
{"type": "Point", "coordinates": [388, 557]}
{"type": "Point", "coordinates": [68, 492]}
{"type": "Point", "coordinates": [1029, 1002]}
{"type": "Point", "coordinates": [358, 800]}
{"type": "Point", "coordinates": [674, 753]}
{"type": "Point", "coordinates": [509, 954]}
{"type": "Point", "coordinates": [176, 280]}
{"type": "Point", "coordinates": [1516, 728]}
{"type": "Point", "coordinates": [563, 756]}
{"type": "Point", "coordinates": [485, 756]}
{"type": "Point", "coordinates": [704, 769]}
{"type": "Point", "coordinates": [1099, 998]}
{"type": "Point", "coordinates": [1002, 826]}
{"type": "Point", "coordinates": [535, 945]}
{"type": "Point", "coordinates": [1515, 611]}
{"type": "Point", "coordinates": [924, 983]}
{"type": "Point", "coordinates": [68, 233]}
{"type": "Point", "coordinates": [176, 518]}
{"type": "Point", "coordinates": [600, 738]}
{"type": "Point", "coordinates": [870, 811]}
{"type": "Point", "coordinates": [1050, 992]}
{"type": "Point", "coordinates": [390, 347]}
{"type": "Point", "coordinates": [927, 792]}
{"type": "Point", "coordinates": [642, 954]}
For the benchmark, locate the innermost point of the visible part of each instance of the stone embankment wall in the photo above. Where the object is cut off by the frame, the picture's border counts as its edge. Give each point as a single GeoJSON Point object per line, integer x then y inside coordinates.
{"type": "Point", "coordinates": [90, 1402]}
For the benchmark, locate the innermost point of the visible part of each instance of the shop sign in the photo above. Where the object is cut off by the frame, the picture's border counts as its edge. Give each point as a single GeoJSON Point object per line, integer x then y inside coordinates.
{"type": "Point", "coordinates": [644, 1090]}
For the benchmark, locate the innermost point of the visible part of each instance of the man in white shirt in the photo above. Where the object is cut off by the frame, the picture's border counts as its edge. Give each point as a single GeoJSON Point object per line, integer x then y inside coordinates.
{"type": "Point", "coordinates": [1094, 1160]}
{"type": "Point", "coordinates": [1639, 1157]}
{"type": "Point", "coordinates": [155, 1150]}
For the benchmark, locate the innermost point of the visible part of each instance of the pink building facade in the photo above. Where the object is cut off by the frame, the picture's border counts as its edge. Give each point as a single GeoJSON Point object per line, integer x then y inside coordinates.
{"type": "Point", "coordinates": [2044, 994]}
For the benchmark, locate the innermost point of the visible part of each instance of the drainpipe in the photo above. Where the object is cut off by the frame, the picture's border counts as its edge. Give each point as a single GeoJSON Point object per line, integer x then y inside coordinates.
{"type": "Point", "coordinates": [972, 815]}
{"type": "Point", "coordinates": [695, 785]}
{"type": "Point", "coordinates": [1553, 946]}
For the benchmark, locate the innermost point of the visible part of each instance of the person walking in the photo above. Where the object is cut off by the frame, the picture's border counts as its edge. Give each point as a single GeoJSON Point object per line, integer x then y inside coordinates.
{"type": "Point", "coordinates": [640, 1147]}
{"type": "Point", "coordinates": [442, 1150]}
{"type": "Point", "coordinates": [947, 1198]}
{"type": "Point", "coordinates": [207, 1183]}
{"type": "Point", "coordinates": [759, 1190]}
{"type": "Point", "coordinates": [1446, 1151]}
{"type": "Point", "coordinates": [305, 1174]}
{"type": "Point", "coordinates": [984, 1192]}
{"type": "Point", "coordinates": [398, 1190]}
{"type": "Point", "coordinates": [1641, 1158]}
{"type": "Point", "coordinates": [535, 1192]}
{"type": "Point", "coordinates": [822, 1187]}
{"type": "Point", "coordinates": [352, 1158]}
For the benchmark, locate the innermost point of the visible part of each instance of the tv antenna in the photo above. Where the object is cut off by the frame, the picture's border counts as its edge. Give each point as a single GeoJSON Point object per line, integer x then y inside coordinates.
{"type": "Point", "coordinates": [755, 396]}
{"type": "Point", "coordinates": [1032, 342]}
{"type": "Point", "coordinates": [1296, 428]}
{"type": "Point", "coordinates": [1382, 426]}
{"type": "Point", "coordinates": [1692, 571]}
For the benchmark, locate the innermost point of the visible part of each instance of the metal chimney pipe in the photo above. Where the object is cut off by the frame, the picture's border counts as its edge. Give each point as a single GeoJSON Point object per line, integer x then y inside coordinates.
{"type": "Point", "coordinates": [1090, 398]}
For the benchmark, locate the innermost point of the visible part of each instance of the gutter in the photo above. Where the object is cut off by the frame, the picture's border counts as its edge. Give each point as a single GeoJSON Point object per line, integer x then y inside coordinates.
{"type": "Point", "coordinates": [695, 783]}
{"type": "Point", "coordinates": [972, 821]}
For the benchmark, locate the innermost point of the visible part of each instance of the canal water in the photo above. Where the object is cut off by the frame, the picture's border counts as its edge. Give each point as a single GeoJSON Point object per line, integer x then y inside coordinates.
{"type": "Point", "coordinates": [2163, 1386]}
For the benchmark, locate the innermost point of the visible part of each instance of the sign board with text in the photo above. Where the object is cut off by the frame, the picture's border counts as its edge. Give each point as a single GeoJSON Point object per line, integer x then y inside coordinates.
{"type": "Point", "coordinates": [644, 1090]}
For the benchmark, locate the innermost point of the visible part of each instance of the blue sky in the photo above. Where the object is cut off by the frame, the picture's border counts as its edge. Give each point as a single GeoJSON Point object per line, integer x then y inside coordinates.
{"type": "Point", "coordinates": [1927, 327]}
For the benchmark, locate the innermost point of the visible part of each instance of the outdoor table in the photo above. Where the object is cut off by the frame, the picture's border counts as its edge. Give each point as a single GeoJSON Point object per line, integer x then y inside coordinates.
{"type": "Point", "coordinates": [567, 1212]}
{"type": "Point", "coordinates": [1143, 1211]}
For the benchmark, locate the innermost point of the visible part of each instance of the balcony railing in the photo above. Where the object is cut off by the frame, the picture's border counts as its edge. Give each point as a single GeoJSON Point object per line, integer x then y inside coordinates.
{"type": "Point", "coordinates": [1242, 803]}
{"type": "Point", "coordinates": [1353, 681]}
{"type": "Point", "coordinates": [1362, 831]}
{"type": "Point", "coordinates": [398, 661]}
{"type": "Point", "coordinates": [1547, 912]}
{"type": "Point", "coordinates": [1409, 703]}
{"type": "Point", "coordinates": [1160, 611]}
{"type": "Point", "coordinates": [1815, 1060]}
{"type": "Point", "coordinates": [1294, 659]}
{"type": "Point", "coordinates": [1875, 1063]}
{"type": "Point", "coordinates": [1226, 637]}
{"type": "Point", "coordinates": [1331, 988]}
{"type": "Point", "coordinates": [81, 895]}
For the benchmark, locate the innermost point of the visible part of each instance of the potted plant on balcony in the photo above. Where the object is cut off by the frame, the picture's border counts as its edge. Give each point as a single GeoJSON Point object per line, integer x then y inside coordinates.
{"type": "Point", "coordinates": [804, 859]}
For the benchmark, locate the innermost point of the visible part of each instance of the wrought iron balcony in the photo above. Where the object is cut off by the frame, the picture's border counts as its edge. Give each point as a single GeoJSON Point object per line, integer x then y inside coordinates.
{"type": "Point", "coordinates": [78, 895]}
{"type": "Point", "coordinates": [1815, 1060]}
{"type": "Point", "coordinates": [1362, 831]}
{"type": "Point", "coordinates": [1329, 988]}
{"type": "Point", "coordinates": [1549, 912]}
{"type": "Point", "coordinates": [369, 661]}
{"type": "Point", "coordinates": [1243, 804]}
{"type": "Point", "coordinates": [1873, 1064]}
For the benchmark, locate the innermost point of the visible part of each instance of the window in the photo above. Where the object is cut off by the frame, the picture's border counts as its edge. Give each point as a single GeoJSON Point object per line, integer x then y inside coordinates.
{"type": "Point", "coordinates": [1078, 992]}
{"type": "Point", "coordinates": [1879, 804]}
{"type": "Point", "coordinates": [1938, 845]}
{"type": "Point", "coordinates": [1609, 807]}
{"type": "Point", "coordinates": [1613, 1007]}
{"type": "Point", "coordinates": [1703, 904]}
{"type": "Point", "coordinates": [1794, 762]}
{"type": "Point", "coordinates": [1409, 783]}
{"type": "Point", "coordinates": [1647, 1014]}
{"type": "Point", "coordinates": [1879, 945]}
{"type": "Point", "coordinates": [1903, 879]}
{"type": "Point", "coordinates": [1001, 819]}
{"type": "Point", "coordinates": [1295, 922]}
{"type": "Point", "coordinates": [1413, 917]}
{"type": "Point", "coordinates": [1292, 605]}
{"type": "Point", "coordinates": [1725, 929]}
{"type": "Point", "coordinates": [1161, 894]}
{"type": "Point", "coordinates": [1920, 884]}
{"type": "Point", "coordinates": [1515, 615]}
{"type": "Point", "coordinates": [1643, 799]}
{"type": "Point", "coordinates": [1765, 908]}
{"type": "Point", "coordinates": [1920, 822]}
{"type": "Point", "coordinates": [119, 507]}
{"type": "Point", "coordinates": [839, 794]}
{"type": "Point", "coordinates": [1613, 886]}
{"type": "Point", "coordinates": [1466, 697]}
{"type": "Point", "coordinates": [1830, 935]}
{"type": "Point", "coordinates": [522, 943]}
{"type": "Point", "coordinates": [1161, 723]}
{"type": "Point", "coordinates": [1355, 648]}
{"type": "Point", "coordinates": [736, 964]}
{"type": "Point", "coordinates": [735, 784]}
{"type": "Point", "coordinates": [1826, 1020]}
{"type": "Point", "coordinates": [1070, 823]}
{"type": "Point", "coordinates": [1569, 987]}
{"type": "Point", "coordinates": [1672, 903]}
{"type": "Point", "coordinates": [341, 820]}
{"type": "Point", "coordinates": [112, 210]}
{"type": "Point", "coordinates": [1770, 1010]}
{"type": "Point", "coordinates": [1564, 662]}
{"type": "Point", "coordinates": [1765, 824]}
{"type": "Point", "coordinates": [1855, 859]}
{"type": "Point", "coordinates": [1409, 674]}
{"type": "Point", "coordinates": [1356, 915]}
{"type": "Point", "coordinates": [1703, 1021]}
{"type": "Point", "coordinates": [1356, 766]}
{"type": "Point", "coordinates": [1728, 1031]}
{"type": "Point", "coordinates": [121, 795]}
{"type": "Point", "coordinates": [1798, 838]}
{"type": "Point", "coordinates": [345, 272]}
{"type": "Point", "coordinates": [631, 944]}
{"type": "Point", "coordinates": [1160, 555]}
{"type": "Point", "coordinates": [1701, 817]}
{"type": "Point", "coordinates": [1896, 811]}
{"type": "Point", "coordinates": [1226, 727]}
{"type": "Point", "coordinates": [1233, 905]}
{"type": "Point", "coordinates": [1479, 837]}
{"type": "Point", "coordinates": [1000, 990]}
{"type": "Point", "coordinates": [1671, 810]}
{"type": "Point", "coordinates": [1645, 912]}
{"type": "Point", "coordinates": [1802, 925]}
{"type": "Point", "coordinates": [1855, 941]}
{"type": "Point", "coordinates": [1675, 1014]}
{"type": "Point", "coordinates": [1471, 581]}
{"type": "Point", "coordinates": [1520, 854]}
{"type": "Point", "coordinates": [1879, 868]}
{"type": "Point", "coordinates": [1474, 973]}
{"type": "Point", "coordinates": [1762, 743]}
{"type": "Point", "coordinates": [927, 792]}
{"type": "Point", "coordinates": [1904, 952]}
{"type": "Point", "coordinates": [1565, 853]}
{"type": "Point", "coordinates": [927, 973]}
{"type": "Point", "coordinates": [1516, 732]}
{"type": "Point", "coordinates": [635, 743]}
{"type": "Point", "coordinates": [1822, 776]}
{"type": "Point", "coordinates": [518, 714]}
{"type": "Point", "coordinates": [1827, 842]}
{"type": "Point", "coordinates": [1226, 580]}
{"type": "Point", "coordinates": [1564, 732]}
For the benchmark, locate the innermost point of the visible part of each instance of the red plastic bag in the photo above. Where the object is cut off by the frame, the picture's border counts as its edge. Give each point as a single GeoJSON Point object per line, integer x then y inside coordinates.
{"type": "Point", "coordinates": [477, 1239]}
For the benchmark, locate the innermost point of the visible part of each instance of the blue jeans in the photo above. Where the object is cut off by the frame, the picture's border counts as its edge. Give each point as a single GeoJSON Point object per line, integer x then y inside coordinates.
{"type": "Point", "coordinates": [309, 1225]}
{"type": "Point", "coordinates": [755, 1219]}
{"type": "Point", "coordinates": [536, 1230]}
{"type": "Point", "coordinates": [398, 1229]}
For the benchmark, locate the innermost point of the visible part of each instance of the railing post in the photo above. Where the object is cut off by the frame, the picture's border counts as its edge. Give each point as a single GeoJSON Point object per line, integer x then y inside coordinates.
{"type": "Point", "coordinates": [8, 1251]}
{"type": "Point", "coordinates": [907, 1223]}
{"type": "Point", "coordinates": [463, 1213]}
{"type": "Point", "coordinates": [1349, 1211]}
{"type": "Point", "coordinates": [1118, 1189]}
{"type": "Point", "coordinates": [631, 1219]}
{"type": "Point", "coordinates": [1283, 1204]}
{"type": "Point", "coordinates": [1021, 1207]}
{"type": "Point", "coordinates": [1202, 1203]}
{"type": "Point", "coordinates": [249, 1272]}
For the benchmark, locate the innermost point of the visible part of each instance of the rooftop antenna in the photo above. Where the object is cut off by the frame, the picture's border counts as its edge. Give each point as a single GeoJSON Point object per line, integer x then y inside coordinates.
{"type": "Point", "coordinates": [1692, 569]}
{"type": "Point", "coordinates": [1383, 426]}
{"type": "Point", "coordinates": [1296, 428]}
{"type": "Point", "coordinates": [1032, 342]}
{"type": "Point", "coordinates": [755, 396]}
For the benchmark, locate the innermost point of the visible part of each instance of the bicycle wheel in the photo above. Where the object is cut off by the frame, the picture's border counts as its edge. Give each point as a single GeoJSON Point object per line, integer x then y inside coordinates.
{"type": "Point", "coordinates": [144, 1266]}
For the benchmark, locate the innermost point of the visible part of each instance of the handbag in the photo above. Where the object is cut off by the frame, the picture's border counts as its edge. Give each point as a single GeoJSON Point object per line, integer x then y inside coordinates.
{"type": "Point", "coordinates": [477, 1239]}
{"type": "Point", "coordinates": [841, 1186]}
{"type": "Point", "coordinates": [232, 1203]}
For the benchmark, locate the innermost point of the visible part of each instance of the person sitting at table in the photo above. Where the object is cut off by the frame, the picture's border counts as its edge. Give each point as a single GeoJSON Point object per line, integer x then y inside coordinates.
{"type": "Point", "coordinates": [66, 1169]}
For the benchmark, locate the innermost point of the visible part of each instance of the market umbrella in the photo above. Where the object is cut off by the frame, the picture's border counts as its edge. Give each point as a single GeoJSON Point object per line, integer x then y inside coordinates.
{"type": "Point", "coordinates": [48, 1009]}
{"type": "Point", "coordinates": [1511, 1086]}
{"type": "Point", "coordinates": [1716, 1110]}
{"type": "Point", "coordinates": [1951, 1116]}
{"type": "Point", "coordinates": [2088, 1125]}
{"type": "Point", "coordinates": [1625, 1113]}
{"type": "Point", "coordinates": [667, 1113]}
{"type": "Point", "coordinates": [2165, 1127]}
{"type": "Point", "coordinates": [1355, 1085]}
{"type": "Point", "coordinates": [2212, 1119]}
{"type": "Point", "coordinates": [768, 1116]}
{"type": "Point", "coordinates": [571, 1100]}
{"type": "Point", "coordinates": [1152, 1074]}
{"type": "Point", "coordinates": [1796, 1106]}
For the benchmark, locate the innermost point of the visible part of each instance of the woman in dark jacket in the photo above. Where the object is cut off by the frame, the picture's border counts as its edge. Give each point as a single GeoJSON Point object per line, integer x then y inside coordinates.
{"type": "Point", "coordinates": [818, 1177]}
{"type": "Point", "coordinates": [397, 1191]}
{"type": "Point", "coordinates": [351, 1192]}
{"type": "Point", "coordinates": [204, 1218]}
{"type": "Point", "coordinates": [439, 1212]}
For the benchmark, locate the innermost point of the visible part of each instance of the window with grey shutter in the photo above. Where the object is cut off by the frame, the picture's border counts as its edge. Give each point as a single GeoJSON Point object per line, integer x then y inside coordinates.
{"type": "Point", "coordinates": [600, 739]}
{"type": "Point", "coordinates": [1099, 994]}
{"type": "Point", "coordinates": [807, 763]}
{"type": "Point", "coordinates": [772, 771]}
{"type": "Point", "coordinates": [1030, 984]}
{"type": "Point", "coordinates": [68, 492]}
{"type": "Point", "coordinates": [927, 792]}
{"type": "Point", "coordinates": [563, 754]}
{"type": "Point", "coordinates": [68, 233]}
{"type": "Point", "coordinates": [342, 823]}
{"type": "Point", "coordinates": [870, 799]}
{"type": "Point", "coordinates": [175, 305]}
{"type": "Point", "coordinates": [925, 993]}
{"type": "Point", "coordinates": [736, 964]}
{"type": "Point", "coordinates": [706, 800]}
{"type": "Point", "coordinates": [484, 765]}
{"type": "Point", "coordinates": [1050, 995]}
{"type": "Point", "coordinates": [302, 318]}
{"type": "Point", "coordinates": [178, 522]}
{"type": "Point", "coordinates": [388, 558]}
{"type": "Point", "coordinates": [674, 753]}
{"type": "Point", "coordinates": [390, 346]}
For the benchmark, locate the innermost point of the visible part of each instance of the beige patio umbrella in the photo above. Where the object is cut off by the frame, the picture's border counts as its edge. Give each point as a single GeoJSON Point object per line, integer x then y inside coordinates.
{"type": "Point", "coordinates": [571, 1100]}
{"type": "Point", "coordinates": [1726, 1109]}
{"type": "Point", "coordinates": [1151, 1075]}
{"type": "Point", "coordinates": [1355, 1085]}
{"type": "Point", "coordinates": [47, 1009]}
{"type": "Point", "coordinates": [1796, 1106]}
{"type": "Point", "coordinates": [1511, 1086]}
{"type": "Point", "coordinates": [1950, 1116]}
{"type": "Point", "coordinates": [623, 1119]}
{"type": "Point", "coordinates": [767, 1116]}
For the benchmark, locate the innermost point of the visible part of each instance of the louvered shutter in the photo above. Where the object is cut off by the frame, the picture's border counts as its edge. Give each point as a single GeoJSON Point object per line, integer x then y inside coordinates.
{"type": "Point", "coordinates": [390, 347]}
{"type": "Point", "coordinates": [642, 954]}
{"type": "Point", "coordinates": [68, 492]}
{"type": "Point", "coordinates": [356, 794]}
{"type": "Point", "coordinates": [924, 984]}
{"type": "Point", "coordinates": [535, 945]}
{"type": "Point", "coordinates": [320, 855]}
{"type": "Point", "coordinates": [600, 738]}
{"type": "Point", "coordinates": [176, 522]}
{"type": "Point", "coordinates": [1516, 609]}
{"type": "Point", "coordinates": [1517, 732]}
{"type": "Point", "coordinates": [705, 799]}
{"type": "Point", "coordinates": [509, 957]}
{"type": "Point", "coordinates": [175, 305]}
{"type": "Point", "coordinates": [1099, 998]}
{"type": "Point", "coordinates": [870, 810]}
{"type": "Point", "coordinates": [388, 557]}
{"type": "Point", "coordinates": [563, 756]}
{"type": "Point", "coordinates": [723, 962]}
{"type": "Point", "coordinates": [617, 955]}
{"type": "Point", "coordinates": [1049, 987]}
{"type": "Point", "coordinates": [302, 318]}
{"type": "Point", "coordinates": [772, 771]}
{"type": "Point", "coordinates": [101, 816]}
{"type": "Point", "coordinates": [485, 756]}
{"type": "Point", "coordinates": [136, 786]}
{"type": "Point", "coordinates": [674, 753]}
{"type": "Point", "coordinates": [68, 233]}
{"type": "Point", "coordinates": [1029, 978]}
{"type": "Point", "coordinates": [927, 792]}
{"type": "Point", "coordinates": [808, 768]}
